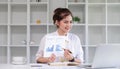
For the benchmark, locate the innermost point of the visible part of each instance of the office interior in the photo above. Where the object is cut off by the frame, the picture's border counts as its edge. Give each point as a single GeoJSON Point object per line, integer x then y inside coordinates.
{"type": "Point", "coordinates": [24, 22]}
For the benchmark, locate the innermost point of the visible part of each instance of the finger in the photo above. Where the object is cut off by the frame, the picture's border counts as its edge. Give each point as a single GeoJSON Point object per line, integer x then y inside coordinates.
{"type": "Point", "coordinates": [53, 56]}
{"type": "Point", "coordinates": [51, 59]}
{"type": "Point", "coordinates": [67, 54]}
{"type": "Point", "coordinates": [67, 51]}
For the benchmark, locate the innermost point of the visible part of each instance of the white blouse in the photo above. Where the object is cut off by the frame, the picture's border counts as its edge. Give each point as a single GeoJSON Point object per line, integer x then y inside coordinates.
{"type": "Point", "coordinates": [74, 45]}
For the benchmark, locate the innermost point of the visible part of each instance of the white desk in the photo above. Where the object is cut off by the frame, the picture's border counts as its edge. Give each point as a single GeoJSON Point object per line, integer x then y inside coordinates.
{"type": "Point", "coordinates": [10, 66]}
{"type": "Point", "coordinates": [45, 66]}
{"type": "Point", "coordinates": [6, 66]}
{"type": "Point", "coordinates": [57, 67]}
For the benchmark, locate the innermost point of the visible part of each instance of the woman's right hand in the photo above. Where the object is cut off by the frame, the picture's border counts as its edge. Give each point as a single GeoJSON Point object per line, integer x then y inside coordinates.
{"type": "Point", "coordinates": [52, 58]}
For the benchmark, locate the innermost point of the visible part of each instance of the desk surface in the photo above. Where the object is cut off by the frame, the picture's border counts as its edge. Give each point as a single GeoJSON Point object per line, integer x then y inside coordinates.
{"type": "Point", "coordinates": [42, 66]}
{"type": "Point", "coordinates": [10, 66]}
{"type": "Point", "coordinates": [45, 66]}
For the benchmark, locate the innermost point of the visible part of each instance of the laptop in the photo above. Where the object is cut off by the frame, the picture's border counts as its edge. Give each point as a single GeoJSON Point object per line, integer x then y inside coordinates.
{"type": "Point", "coordinates": [107, 56]}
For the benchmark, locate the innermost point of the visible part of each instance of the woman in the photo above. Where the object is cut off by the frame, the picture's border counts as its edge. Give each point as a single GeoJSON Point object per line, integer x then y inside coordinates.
{"type": "Point", "coordinates": [62, 18]}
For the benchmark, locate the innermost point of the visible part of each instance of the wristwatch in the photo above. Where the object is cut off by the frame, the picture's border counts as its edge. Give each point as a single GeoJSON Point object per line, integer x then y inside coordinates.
{"type": "Point", "coordinates": [72, 60]}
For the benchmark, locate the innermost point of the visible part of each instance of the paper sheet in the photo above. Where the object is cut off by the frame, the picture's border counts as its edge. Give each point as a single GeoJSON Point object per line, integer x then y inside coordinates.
{"type": "Point", "coordinates": [54, 44]}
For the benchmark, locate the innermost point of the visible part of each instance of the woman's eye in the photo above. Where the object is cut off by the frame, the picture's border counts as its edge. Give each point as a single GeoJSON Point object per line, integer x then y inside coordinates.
{"type": "Point", "coordinates": [71, 22]}
{"type": "Point", "coordinates": [66, 22]}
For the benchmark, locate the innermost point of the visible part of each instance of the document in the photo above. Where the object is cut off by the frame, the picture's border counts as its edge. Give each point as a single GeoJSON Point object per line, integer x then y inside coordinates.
{"type": "Point", "coordinates": [55, 45]}
{"type": "Point", "coordinates": [64, 64]}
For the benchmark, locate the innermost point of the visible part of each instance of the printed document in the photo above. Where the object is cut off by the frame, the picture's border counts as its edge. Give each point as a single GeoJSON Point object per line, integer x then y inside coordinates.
{"type": "Point", "coordinates": [55, 45]}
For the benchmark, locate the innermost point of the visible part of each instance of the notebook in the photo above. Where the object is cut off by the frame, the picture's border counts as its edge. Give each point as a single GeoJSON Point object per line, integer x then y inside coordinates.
{"type": "Point", "coordinates": [64, 64]}
{"type": "Point", "coordinates": [106, 56]}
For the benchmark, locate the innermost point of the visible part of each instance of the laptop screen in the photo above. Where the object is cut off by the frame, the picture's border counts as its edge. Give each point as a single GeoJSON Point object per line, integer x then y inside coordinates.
{"type": "Point", "coordinates": [107, 55]}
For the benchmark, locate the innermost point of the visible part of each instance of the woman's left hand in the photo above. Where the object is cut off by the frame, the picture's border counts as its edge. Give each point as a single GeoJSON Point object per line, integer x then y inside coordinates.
{"type": "Point", "coordinates": [68, 54]}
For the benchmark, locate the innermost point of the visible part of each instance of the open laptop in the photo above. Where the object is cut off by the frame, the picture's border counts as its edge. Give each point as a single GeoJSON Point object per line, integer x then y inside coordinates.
{"type": "Point", "coordinates": [107, 56]}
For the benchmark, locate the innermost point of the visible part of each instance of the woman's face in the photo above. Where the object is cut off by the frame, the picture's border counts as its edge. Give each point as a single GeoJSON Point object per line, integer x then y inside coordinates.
{"type": "Point", "coordinates": [65, 24]}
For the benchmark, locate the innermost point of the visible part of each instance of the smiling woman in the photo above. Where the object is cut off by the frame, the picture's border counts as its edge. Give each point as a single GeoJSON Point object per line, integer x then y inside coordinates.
{"type": "Point", "coordinates": [73, 52]}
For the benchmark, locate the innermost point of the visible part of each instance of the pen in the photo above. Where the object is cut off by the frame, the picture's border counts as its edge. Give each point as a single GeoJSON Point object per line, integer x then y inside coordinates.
{"type": "Point", "coordinates": [67, 50]}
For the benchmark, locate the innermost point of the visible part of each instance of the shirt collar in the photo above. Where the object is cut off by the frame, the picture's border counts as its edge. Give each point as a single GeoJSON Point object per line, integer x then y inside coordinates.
{"type": "Point", "coordinates": [66, 37]}
{"type": "Point", "coordinates": [58, 34]}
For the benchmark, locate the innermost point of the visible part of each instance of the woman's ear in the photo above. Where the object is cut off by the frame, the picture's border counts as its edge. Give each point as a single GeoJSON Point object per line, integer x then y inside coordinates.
{"type": "Point", "coordinates": [57, 23]}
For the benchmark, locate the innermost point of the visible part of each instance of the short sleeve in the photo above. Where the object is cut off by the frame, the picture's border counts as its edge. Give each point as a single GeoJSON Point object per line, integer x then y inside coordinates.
{"type": "Point", "coordinates": [41, 48]}
{"type": "Point", "coordinates": [79, 50]}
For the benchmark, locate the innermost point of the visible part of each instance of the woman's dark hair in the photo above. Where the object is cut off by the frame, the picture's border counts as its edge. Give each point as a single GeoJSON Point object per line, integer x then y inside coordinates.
{"type": "Point", "coordinates": [61, 13]}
